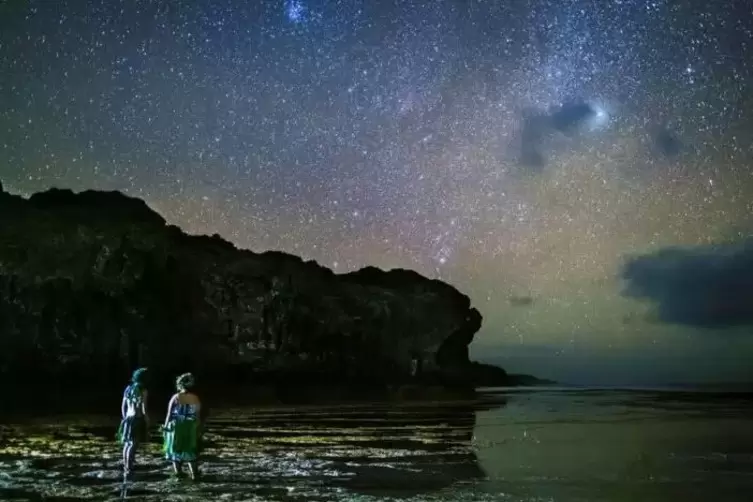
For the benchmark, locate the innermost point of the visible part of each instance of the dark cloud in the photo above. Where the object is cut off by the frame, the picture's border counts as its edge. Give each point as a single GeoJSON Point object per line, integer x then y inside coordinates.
{"type": "Point", "coordinates": [520, 301]}
{"type": "Point", "coordinates": [709, 286]}
{"type": "Point", "coordinates": [535, 128]}
{"type": "Point", "coordinates": [666, 142]}
{"type": "Point", "coordinates": [538, 126]}
{"type": "Point", "coordinates": [571, 116]}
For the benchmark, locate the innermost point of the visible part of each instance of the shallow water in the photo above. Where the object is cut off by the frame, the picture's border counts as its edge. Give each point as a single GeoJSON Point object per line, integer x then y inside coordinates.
{"type": "Point", "coordinates": [515, 445]}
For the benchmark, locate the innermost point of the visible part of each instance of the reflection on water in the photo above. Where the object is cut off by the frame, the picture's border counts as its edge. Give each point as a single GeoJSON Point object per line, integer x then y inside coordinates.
{"type": "Point", "coordinates": [542, 445]}
{"type": "Point", "coordinates": [618, 446]}
{"type": "Point", "coordinates": [345, 453]}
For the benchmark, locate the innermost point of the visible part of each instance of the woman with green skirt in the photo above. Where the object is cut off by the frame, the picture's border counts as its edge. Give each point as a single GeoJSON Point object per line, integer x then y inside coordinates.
{"type": "Point", "coordinates": [135, 421]}
{"type": "Point", "coordinates": [182, 426]}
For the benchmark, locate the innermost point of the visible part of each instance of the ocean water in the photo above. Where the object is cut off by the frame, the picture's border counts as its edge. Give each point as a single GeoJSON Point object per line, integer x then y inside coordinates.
{"type": "Point", "coordinates": [540, 444]}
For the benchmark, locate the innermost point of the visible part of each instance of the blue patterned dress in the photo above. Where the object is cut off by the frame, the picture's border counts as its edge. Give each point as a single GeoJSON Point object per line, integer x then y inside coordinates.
{"type": "Point", "coordinates": [133, 428]}
{"type": "Point", "coordinates": [182, 434]}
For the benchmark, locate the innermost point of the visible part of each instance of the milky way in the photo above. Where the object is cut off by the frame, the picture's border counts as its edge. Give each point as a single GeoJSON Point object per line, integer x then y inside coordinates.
{"type": "Point", "coordinates": [392, 133]}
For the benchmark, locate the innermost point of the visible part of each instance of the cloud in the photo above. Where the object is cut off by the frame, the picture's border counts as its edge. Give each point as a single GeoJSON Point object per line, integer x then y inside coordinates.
{"type": "Point", "coordinates": [707, 286]}
{"type": "Point", "coordinates": [538, 126]}
{"type": "Point", "coordinates": [667, 142]}
{"type": "Point", "coordinates": [572, 115]}
{"type": "Point", "coordinates": [520, 300]}
{"type": "Point", "coordinates": [534, 129]}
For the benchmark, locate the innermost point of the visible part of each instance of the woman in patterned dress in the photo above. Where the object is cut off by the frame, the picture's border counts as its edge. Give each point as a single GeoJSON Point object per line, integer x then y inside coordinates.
{"type": "Point", "coordinates": [135, 421]}
{"type": "Point", "coordinates": [182, 426]}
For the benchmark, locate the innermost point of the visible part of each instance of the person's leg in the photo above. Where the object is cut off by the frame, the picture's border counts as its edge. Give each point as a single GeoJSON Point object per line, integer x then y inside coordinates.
{"type": "Point", "coordinates": [192, 469]}
{"type": "Point", "coordinates": [132, 455]}
{"type": "Point", "coordinates": [129, 454]}
{"type": "Point", "coordinates": [126, 455]}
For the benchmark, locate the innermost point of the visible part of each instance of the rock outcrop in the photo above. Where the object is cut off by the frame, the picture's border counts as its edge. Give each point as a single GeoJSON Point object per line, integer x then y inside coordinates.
{"type": "Point", "coordinates": [94, 283]}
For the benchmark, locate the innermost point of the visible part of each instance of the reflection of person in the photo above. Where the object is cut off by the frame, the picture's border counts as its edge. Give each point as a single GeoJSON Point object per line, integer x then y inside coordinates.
{"type": "Point", "coordinates": [181, 426]}
{"type": "Point", "coordinates": [134, 422]}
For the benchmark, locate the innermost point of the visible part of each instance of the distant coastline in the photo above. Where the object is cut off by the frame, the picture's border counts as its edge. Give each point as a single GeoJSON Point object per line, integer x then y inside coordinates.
{"type": "Point", "coordinates": [710, 388]}
{"type": "Point", "coordinates": [489, 375]}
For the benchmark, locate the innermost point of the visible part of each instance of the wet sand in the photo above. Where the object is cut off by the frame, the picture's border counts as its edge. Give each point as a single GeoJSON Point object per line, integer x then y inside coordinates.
{"type": "Point", "coordinates": [515, 445]}
{"type": "Point", "coordinates": [364, 452]}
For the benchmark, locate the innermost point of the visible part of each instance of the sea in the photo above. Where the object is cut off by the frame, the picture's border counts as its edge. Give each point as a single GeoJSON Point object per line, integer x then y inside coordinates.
{"type": "Point", "coordinates": [543, 444]}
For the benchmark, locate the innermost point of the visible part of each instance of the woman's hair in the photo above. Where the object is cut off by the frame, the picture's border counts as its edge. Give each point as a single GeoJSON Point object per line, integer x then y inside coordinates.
{"type": "Point", "coordinates": [139, 376]}
{"type": "Point", "coordinates": [184, 381]}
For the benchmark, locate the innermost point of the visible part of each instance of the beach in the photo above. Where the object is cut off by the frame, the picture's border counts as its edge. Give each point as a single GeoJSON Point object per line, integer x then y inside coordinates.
{"type": "Point", "coordinates": [537, 444]}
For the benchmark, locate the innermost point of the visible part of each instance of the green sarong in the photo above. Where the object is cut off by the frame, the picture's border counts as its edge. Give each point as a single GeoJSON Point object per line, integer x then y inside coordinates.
{"type": "Point", "coordinates": [182, 440]}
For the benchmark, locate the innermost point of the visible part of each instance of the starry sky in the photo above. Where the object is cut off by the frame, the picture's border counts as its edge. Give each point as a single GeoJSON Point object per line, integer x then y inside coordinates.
{"type": "Point", "coordinates": [393, 133]}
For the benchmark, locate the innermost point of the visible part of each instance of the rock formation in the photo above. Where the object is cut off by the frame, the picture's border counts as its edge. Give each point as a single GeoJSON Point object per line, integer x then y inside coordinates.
{"type": "Point", "coordinates": [94, 283]}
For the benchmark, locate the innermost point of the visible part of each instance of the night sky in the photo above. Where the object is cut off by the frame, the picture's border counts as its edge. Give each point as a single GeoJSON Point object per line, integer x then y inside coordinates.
{"type": "Point", "coordinates": [422, 135]}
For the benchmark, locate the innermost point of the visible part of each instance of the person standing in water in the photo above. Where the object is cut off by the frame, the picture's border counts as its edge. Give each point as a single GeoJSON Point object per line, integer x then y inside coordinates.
{"type": "Point", "coordinates": [134, 422]}
{"type": "Point", "coordinates": [182, 427]}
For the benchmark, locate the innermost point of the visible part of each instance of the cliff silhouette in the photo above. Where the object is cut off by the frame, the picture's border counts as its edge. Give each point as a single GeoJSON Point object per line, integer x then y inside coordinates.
{"type": "Point", "coordinates": [93, 284]}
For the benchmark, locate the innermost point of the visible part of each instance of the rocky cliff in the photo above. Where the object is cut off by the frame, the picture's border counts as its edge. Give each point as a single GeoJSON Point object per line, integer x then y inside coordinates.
{"type": "Point", "coordinates": [94, 283]}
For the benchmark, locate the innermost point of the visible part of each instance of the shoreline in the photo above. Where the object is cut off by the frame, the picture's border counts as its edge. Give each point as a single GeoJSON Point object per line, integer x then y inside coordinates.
{"type": "Point", "coordinates": [105, 418]}
{"type": "Point", "coordinates": [29, 404]}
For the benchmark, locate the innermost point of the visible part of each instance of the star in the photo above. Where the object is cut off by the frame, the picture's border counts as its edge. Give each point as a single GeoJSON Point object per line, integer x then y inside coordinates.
{"type": "Point", "coordinates": [419, 134]}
